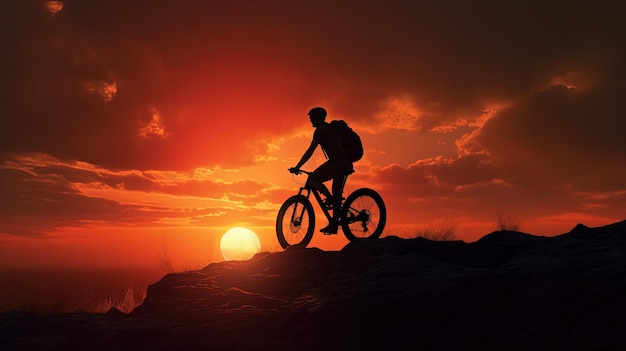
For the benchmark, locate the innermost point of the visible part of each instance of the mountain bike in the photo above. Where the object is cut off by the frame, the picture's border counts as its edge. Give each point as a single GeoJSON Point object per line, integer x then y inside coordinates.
{"type": "Point", "coordinates": [362, 215]}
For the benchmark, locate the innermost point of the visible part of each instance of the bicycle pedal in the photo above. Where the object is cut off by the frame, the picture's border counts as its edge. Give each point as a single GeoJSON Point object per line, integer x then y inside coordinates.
{"type": "Point", "coordinates": [329, 230]}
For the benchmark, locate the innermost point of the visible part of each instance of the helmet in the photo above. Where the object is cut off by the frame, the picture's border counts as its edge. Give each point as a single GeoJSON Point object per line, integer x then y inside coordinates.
{"type": "Point", "coordinates": [317, 112]}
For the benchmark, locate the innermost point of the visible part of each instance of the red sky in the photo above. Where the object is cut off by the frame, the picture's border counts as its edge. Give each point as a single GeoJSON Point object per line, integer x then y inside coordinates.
{"type": "Point", "coordinates": [128, 124]}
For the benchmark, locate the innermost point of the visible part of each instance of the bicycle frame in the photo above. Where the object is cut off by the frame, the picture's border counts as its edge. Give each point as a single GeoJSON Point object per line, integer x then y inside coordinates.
{"type": "Point", "coordinates": [350, 216]}
{"type": "Point", "coordinates": [318, 197]}
{"type": "Point", "coordinates": [319, 200]}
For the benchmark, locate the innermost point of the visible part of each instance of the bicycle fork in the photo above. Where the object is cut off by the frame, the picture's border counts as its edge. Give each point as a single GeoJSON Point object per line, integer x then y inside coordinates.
{"type": "Point", "coordinates": [297, 214]}
{"type": "Point", "coordinates": [318, 197]}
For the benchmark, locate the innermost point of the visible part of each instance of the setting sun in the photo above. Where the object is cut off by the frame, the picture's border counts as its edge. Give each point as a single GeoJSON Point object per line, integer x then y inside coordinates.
{"type": "Point", "coordinates": [239, 244]}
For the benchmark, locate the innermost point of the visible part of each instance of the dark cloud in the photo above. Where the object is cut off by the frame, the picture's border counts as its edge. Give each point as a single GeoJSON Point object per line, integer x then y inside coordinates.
{"type": "Point", "coordinates": [221, 69]}
{"type": "Point", "coordinates": [562, 135]}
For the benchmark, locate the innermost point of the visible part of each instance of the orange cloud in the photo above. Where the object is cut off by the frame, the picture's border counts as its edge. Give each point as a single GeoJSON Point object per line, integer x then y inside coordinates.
{"type": "Point", "coordinates": [53, 7]}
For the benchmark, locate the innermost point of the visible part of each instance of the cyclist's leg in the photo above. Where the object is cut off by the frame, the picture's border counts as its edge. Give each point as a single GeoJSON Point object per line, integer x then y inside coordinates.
{"type": "Point", "coordinates": [323, 173]}
{"type": "Point", "coordinates": [341, 170]}
{"type": "Point", "coordinates": [337, 188]}
{"type": "Point", "coordinates": [317, 178]}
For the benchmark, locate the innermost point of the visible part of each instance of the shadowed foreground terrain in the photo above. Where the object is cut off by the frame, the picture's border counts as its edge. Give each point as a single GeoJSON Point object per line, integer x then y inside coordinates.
{"type": "Point", "coordinates": [507, 291]}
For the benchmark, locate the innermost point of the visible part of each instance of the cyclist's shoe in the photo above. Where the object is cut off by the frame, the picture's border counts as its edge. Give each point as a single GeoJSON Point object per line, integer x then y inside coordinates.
{"type": "Point", "coordinates": [330, 229]}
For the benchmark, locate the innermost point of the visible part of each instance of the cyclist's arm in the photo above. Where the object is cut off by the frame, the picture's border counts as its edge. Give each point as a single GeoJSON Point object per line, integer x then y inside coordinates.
{"type": "Point", "coordinates": [307, 154]}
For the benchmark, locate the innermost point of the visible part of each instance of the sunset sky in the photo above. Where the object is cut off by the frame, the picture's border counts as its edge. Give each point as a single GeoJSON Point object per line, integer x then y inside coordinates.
{"type": "Point", "coordinates": [128, 125]}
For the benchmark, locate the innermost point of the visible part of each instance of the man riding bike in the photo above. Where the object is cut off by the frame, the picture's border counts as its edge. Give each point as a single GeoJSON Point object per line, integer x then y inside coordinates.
{"type": "Point", "coordinates": [338, 164]}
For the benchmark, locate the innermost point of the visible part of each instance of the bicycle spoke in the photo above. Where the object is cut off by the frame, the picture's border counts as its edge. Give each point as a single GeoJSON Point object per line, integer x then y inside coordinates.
{"type": "Point", "coordinates": [295, 221]}
{"type": "Point", "coordinates": [366, 215]}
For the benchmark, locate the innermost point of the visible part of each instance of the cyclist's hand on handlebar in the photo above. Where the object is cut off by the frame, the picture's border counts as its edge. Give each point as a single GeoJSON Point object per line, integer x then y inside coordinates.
{"type": "Point", "coordinates": [294, 170]}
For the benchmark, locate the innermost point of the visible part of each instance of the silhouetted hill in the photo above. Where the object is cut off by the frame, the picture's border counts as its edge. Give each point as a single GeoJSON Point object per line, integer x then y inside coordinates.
{"type": "Point", "coordinates": [507, 291]}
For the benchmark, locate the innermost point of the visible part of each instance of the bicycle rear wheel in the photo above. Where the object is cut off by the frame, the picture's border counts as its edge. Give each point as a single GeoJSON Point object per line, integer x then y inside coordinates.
{"type": "Point", "coordinates": [295, 222]}
{"type": "Point", "coordinates": [363, 215]}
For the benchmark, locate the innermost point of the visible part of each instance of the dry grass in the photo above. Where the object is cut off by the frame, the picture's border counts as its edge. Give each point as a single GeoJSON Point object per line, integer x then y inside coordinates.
{"type": "Point", "coordinates": [444, 230]}
{"type": "Point", "coordinates": [163, 259]}
{"type": "Point", "coordinates": [126, 302]}
{"type": "Point", "coordinates": [61, 302]}
{"type": "Point", "coordinates": [507, 220]}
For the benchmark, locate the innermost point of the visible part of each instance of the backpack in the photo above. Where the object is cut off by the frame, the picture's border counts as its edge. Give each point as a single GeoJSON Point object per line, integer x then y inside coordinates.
{"type": "Point", "coordinates": [348, 139]}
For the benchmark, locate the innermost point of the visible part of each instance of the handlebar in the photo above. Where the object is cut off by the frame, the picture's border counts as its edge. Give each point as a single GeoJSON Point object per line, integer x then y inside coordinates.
{"type": "Point", "coordinates": [298, 171]}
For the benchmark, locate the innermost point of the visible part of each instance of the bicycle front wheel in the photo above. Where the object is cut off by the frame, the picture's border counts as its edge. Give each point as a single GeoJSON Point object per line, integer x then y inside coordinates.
{"type": "Point", "coordinates": [295, 222]}
{"type": "Point", "coordinates": [363, 215]}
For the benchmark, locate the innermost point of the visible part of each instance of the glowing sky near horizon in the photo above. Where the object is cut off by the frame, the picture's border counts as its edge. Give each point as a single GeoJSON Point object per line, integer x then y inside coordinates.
{"type": "Point", "coordinates": [183, 117]}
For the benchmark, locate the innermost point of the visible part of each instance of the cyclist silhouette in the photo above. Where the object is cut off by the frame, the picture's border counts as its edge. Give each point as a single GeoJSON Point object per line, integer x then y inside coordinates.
{"type": "Point", "coordinates": [338, 164]}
